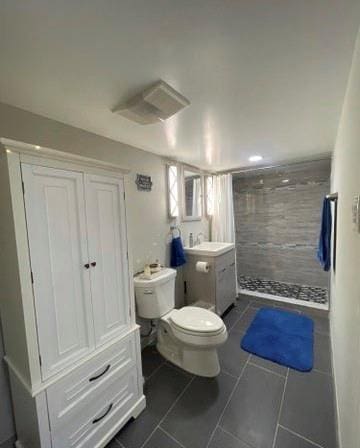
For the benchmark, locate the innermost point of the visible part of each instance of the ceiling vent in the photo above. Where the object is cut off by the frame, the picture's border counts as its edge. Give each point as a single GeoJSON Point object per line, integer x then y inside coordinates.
{"type": "Point", "coordinates": [157, 103]}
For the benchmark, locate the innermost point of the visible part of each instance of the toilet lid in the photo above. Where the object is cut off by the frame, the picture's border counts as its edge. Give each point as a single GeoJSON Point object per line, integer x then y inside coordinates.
{"type": "Point", "coordinates": [197, 319]}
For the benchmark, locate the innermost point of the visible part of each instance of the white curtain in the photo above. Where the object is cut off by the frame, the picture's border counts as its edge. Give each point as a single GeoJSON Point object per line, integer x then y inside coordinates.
{"type": "Point", "coordinates": [223, 225]}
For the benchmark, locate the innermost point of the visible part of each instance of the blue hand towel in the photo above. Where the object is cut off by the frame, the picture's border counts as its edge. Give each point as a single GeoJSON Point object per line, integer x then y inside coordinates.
{"type": "Point", "coordinates": [324, 249]}
{"type": "Point", "coordinates": [177, 253]}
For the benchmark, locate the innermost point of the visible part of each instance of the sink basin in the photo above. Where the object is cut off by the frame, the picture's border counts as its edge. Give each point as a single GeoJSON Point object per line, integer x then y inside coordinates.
{"type": "Point", "coordinates": [210, 249]}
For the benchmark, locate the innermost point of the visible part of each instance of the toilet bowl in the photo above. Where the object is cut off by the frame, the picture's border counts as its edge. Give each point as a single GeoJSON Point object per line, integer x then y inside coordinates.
{"type": "Point", "coordinates": [187, 337]}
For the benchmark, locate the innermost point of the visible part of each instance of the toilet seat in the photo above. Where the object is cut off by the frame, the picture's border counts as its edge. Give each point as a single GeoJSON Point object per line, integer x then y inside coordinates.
{"type": "Point", "coordinates": [196, 333]}
{"type": "Point", "coordinates": [196, 321]}
{"type": "Point", "coordinates": [196, 327]}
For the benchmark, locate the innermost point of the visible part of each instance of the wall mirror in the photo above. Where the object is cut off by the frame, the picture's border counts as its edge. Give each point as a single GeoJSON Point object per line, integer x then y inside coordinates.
{"type": "Point", "coordinates": [192, 194]}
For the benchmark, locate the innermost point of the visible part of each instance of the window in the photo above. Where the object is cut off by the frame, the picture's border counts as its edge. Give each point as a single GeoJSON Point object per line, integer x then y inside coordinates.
{"type": "Point", "coordinates": [173, 191]}
{"type": "Point", "coordinates": [209, 195]}
{"type": "Point", "coordinates": [192, 196]}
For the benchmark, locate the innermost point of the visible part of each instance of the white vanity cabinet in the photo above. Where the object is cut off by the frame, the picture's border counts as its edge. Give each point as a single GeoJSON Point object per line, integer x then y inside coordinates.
{"type": "Point", "coordinates": [218, 286]}
{"type": "Point", "coordinates": [225, 281]}
{"type": "Point", "coordinates": [67, 305]}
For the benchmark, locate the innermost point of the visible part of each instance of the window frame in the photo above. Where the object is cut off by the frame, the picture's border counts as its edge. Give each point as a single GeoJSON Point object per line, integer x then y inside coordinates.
{"type": "Point", "coordinates": [170, 196]}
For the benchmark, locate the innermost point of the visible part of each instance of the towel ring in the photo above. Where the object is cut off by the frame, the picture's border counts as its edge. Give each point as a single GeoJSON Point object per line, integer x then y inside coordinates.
{"type": "Point", "coordinates": [175, 228]}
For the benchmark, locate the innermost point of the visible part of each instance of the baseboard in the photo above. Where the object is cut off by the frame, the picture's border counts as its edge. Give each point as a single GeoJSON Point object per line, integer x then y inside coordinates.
{"type": "Point", "coordinates": [263, 295]}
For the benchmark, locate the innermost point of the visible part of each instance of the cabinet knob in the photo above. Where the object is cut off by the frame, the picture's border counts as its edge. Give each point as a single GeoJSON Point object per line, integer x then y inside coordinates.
{"type": "Point", "coordinates": [86, 265]}
{"type": "Point", "coordinates": [93, 263]}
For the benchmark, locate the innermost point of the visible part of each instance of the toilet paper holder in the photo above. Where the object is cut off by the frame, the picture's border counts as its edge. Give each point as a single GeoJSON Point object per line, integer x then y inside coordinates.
{"type": "Point", "coordinates": [202, 266]}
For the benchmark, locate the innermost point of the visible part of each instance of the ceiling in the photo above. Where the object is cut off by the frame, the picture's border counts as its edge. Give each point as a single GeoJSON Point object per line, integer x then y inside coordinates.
{"type": "Point", "coordinates": [263, 76]}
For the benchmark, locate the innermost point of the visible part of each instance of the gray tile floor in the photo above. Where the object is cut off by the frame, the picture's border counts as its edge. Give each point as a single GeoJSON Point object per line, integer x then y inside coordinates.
{"type": "Point", "coordinates": [253, 403]}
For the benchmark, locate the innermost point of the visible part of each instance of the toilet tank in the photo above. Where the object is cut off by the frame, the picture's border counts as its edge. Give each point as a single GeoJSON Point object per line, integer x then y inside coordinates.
{"type": "Point", "coordinates": [155, 297]}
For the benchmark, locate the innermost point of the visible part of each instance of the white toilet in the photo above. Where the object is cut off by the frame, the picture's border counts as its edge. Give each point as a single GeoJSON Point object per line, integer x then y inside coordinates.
{"type": "Point", "coordinates": [187, 337]}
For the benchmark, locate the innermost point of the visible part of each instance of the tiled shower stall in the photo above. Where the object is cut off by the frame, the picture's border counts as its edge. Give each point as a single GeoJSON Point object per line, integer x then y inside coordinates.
{"type": "Point", "coordinates": [277, 219]}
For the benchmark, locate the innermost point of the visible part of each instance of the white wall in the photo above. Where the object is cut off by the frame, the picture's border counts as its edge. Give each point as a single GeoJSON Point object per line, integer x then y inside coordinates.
{"type": "Point", "coordinates": [6, 417]}
{"type": "Point", "coordinates": [345, 293]}
{"type": "Point", "coordinates": [148, 221]}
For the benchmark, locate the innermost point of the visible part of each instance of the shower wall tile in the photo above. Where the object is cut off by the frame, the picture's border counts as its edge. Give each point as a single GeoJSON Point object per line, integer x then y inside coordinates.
{"type": "Point", "coordinates": [277, 223]}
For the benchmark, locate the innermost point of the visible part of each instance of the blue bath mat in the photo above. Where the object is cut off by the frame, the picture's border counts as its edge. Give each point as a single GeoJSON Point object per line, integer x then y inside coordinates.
{"type": "Point", "coordinates": [283, 337]}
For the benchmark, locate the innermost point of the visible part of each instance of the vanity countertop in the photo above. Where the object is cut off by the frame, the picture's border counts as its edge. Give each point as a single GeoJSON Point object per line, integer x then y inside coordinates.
{"type": "Point", "coordinates": [210, 249]}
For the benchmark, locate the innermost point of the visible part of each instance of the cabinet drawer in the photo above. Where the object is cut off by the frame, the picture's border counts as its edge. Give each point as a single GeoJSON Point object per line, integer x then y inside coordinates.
{"type": "Point", "coordinates": [225, 260]}
{"type": "Point", "coordinates": [91, 378]}
{"type": "Point", "coordinates": [98, 415]}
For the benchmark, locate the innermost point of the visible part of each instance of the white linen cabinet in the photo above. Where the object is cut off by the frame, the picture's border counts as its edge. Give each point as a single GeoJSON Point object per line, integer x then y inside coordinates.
{"type": "Point", "coordinates": [67, 302]}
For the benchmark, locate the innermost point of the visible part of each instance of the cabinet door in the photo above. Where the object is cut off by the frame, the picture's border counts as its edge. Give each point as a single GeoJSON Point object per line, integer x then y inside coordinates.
{"type": "Point", "coordinates": [109, 274]}
{"type": "Point", "coordinates": [225, 288]}
{"type": "Point", "coordinates": [55, 213]}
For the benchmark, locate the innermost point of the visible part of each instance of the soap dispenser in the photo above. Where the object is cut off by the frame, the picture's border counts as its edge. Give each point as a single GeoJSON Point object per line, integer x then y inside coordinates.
{"type": "Point", "coordinates": [191, 240]}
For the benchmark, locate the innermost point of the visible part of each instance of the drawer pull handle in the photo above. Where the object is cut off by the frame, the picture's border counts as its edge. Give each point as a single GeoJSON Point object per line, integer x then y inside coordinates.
{"type": "Point", "coordinates": [97, 419]}
{"type": "Point", "coordinates": [93, 264]}
{"type": "Point", "coordinates": [233, 264]}
{"type": "Point", "coordinates": [86, 265]}
{"type": "Point", "coordinates": [148, 293]}
{"type": "Point", "coordinates": [94, 378]}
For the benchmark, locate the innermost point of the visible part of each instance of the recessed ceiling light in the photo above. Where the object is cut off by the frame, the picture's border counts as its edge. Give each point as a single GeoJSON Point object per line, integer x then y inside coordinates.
{"type": "Point", "coordinates": [255, 158]}
{"type": "Point", "coordinates": [285, 181]}
{"type": "Point", "coordinates": [37, 147]}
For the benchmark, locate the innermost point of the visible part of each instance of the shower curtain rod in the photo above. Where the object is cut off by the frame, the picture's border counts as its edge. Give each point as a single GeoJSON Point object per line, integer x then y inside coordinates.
{"type": "Point", "coordinates": [278, 165]}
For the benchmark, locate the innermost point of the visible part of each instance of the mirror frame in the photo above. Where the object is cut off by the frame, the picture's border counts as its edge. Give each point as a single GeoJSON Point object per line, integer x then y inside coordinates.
{"type": "Point", "coordinates": [184, 217]}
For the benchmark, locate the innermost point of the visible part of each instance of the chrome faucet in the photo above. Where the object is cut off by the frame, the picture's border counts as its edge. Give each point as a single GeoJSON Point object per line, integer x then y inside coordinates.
{"type": "Point", "coordinates": [198, 239]}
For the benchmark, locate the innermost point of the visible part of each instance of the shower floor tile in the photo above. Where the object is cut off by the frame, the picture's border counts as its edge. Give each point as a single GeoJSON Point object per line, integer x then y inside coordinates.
{"type": "Point", "coordinates": [286, 290]}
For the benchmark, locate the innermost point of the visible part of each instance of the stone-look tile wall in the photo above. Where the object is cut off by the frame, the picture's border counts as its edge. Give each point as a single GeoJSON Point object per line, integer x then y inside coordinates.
{"type": "Point", "coordinates": [277, 223]}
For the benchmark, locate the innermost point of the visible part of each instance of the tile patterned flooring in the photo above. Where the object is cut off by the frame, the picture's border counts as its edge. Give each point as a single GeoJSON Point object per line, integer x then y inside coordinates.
{"type": "Point", "coordinates": [288, 290]}
{"type": "Point", "coordinates": [253, 403]}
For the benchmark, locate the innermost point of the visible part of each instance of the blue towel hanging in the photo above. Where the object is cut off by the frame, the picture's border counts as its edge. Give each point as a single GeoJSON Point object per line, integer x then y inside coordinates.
{"type": "Point", "coordinates": [177, 253]}
{"type": "Point", "coordinates": [324, 248]}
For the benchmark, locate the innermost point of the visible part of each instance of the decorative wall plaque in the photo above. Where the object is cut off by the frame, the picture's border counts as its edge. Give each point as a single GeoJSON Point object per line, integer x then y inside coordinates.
{"type": "Point", "coordinates": [143, 182]}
